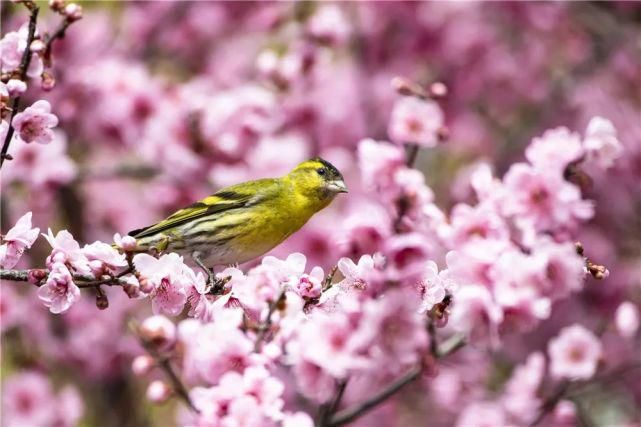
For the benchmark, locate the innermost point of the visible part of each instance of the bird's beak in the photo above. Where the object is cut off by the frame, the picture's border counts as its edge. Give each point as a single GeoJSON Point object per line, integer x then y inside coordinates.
{"type": "Point", "coordinates": [337, 186]}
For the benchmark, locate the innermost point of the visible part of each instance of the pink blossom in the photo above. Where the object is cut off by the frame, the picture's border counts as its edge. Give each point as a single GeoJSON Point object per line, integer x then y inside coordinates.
{"type": "Point", "coordinates": [65, 249]}
{"type": "Point", "coordinates": [12, 47]}
{"type": "Point", "coordinates": [35, 122]}
{"type": "Point", "coordinates": [392, 330]}
{"type": "Point", "coordinates": [565, 413]}
{"type": "Point", "coordinates": [475, 312]}
{"type": "Point", "coordinates": [40, 166]}
{"type": "Point", "coordinates": [28, 400]}
{"type": "Point", "coordinates": [434, 286]}
{"type": "Point", "coordinates": [554, 150]}
{"type": "Point", "coordinates": [59, 291]}
{"type": "Point", "coordinates": [561, 269]}
{"type": "Point", "coordinates": [309, 285]}
{"type": "Point", "coordinates": [313, 381]}
{"type": "Point", "coordinates": [365, 230]}
{"type": "Point", "coordinates": [359, 275]}
{"type": "Point", "coordinates": [103, 258]}
{"type": "Point", "coordinates": [546, 200]}
{"type": "Point", "coordinates": [574, 353]}
{"type": "Point", "coordinates": [406, 255]}
{"type": "Point", "coordinates": [11, 309]}
{"type": "Point", "coordinates": [159, 331]}
{"type": "Point", "coordinates": [626, 319]}
{"type": "Point", "coordinates": [469, 223]}
{"type": "Point", "coordinates": [378, 162]}
{"type": "Point", "coordinates": [415, 121]}
{"type": "Point", "coordinates": [482, 414]}
{"type": "Point", "coordinates": [601, 142]}
{"type": "Point", "coordinates": [16, 87]}
{"type": "Point", "coordinates": [20, 237]}
{"type": "Point", "coordinates": [158, 391]}
{"type": "Point", "coordinates": [169, 278]}
{"type": "Point", "coordinates": [70, 407]}
{"type": "Point", "coordinates": [298, 419]}
{"type": "Point", "coordinates": [329, 25]}
{"type": "Point", "coordinates": [126, 243]}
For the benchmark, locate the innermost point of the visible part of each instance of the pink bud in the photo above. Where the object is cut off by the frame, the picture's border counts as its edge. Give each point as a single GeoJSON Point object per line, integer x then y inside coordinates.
{"type": "Point", "coordinates": [142, 365]}
{"type": "Point", "coordinates": [73, 11]}
{"type": "Point", "coordinates": [37, 275]}
{"type": "Point", "coordinates": [56, 5]}
{"type": "Point", "coordinates": [159, 331]}
{"type": "Point", "coordinates": [627, 319]}
{"type": "Point", "coordinates": [438, 90]}
{"type": "Point", "coordinates": [565, 413]}
{"type": "Point", "coordinates": [145, 285]}
{"type": "Point", "coordinates": [37, 46]}
{"type": "Point", "coordinates": [16, 87]}
{"type": "Point", "coordinates": [158, 392]}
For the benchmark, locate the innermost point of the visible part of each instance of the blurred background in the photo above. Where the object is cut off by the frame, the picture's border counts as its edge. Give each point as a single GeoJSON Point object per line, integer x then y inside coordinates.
{"type": "Point", "coordinates": [161, 103]}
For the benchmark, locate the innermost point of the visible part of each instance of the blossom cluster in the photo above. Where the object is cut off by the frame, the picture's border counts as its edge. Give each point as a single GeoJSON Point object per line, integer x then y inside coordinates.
{"type": "Point", "coordinates": [492, 156]}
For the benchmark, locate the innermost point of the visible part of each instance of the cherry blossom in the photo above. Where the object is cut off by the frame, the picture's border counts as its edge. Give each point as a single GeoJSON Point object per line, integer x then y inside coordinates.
{"type": "Point", "coordinates": [415, 121]}
{"type": "Point", "coordinates": [19, 238]}
{"type": "Point", "coordinates": [34, 123]}
{"type": "Point", "coordinates": [574, 353]}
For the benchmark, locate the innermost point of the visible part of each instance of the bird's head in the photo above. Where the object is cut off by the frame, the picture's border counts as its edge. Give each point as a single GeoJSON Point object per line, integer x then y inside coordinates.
{"type": "Point", "coordinates": [317, 178]}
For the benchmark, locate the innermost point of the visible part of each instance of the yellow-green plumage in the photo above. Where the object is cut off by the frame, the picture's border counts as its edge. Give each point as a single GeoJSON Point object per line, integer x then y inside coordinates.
{"type": "Point", "coordinates": [244, 221]}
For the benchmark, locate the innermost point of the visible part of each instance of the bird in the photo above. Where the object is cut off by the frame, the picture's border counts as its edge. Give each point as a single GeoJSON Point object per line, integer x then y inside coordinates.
{"type": "Point", "coordinates": [244, 221]}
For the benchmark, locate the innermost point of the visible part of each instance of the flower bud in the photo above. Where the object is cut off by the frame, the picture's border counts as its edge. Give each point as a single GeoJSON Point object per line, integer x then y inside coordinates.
{"type": "Point", "coordinates": [56, 5]}
{"type": "Point", "coordinates": [438, 90]}
{"type": "Point", "coordinates": [16, 87]}
{"type": "Point", "coordinates": [102, 302]}
{"type": "Point", "coordinates": [158, 392]}
{"type": "Point", "coordinates": [142, 365]}
{"type": "Point", "coordinates": [37, 275]}
{"type": "Point", "coordinates": [159, 331]}
{"type": "Point", "coordinates": [37, 46]}
{"type": "Point", "coordinates": [73, 11]}
{"type": "Point", "coordinates": [145, 285]}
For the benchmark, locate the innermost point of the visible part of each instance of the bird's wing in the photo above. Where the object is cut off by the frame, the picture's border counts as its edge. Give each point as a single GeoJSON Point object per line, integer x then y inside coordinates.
{"type": "Point", "coordinates": [234, 197]}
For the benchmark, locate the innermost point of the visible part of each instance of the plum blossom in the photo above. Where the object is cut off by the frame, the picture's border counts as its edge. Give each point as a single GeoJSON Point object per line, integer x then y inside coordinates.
{"type": "Point", "coordinates": [545, 200]}
{"type": "Point", "coordinates": [126, 243]}
{"type": "Point", "coordinates": [20, 237]}
{"type": "Point", "coordinates": [309, 285]}
{"type": "Point", "coordinates": [329, 25]}
{"type": "Point", "coordinates": [66, 250]}
{"type": "Point", "coordinates": [482, 414]}
{"type": "Point", "coordinates": [476, 313]}
{"type": "Point", "coordinates": [554, 150]}
{"type": "Point", "coordinates": [35, 122]}
{"type": "Point", "coordinates": [574, 353]}
{"type": "Point", "coordinates": [359, 275]}
{"type": "Point", "coordinates": [16, 87]}
{"type": "Point", "coordinates": [59, 292]}
{"type": "Point", "coordinates": [251, 399]}
{"type": "Point", "coordinates": [378, 162]}
{"type": "Point", "coordinates": [103, 258]}
{"type": "Point", "coordinates": [520, 397]}
{"type": "Point", "coordinates": [27, 399]}
{"type": "Point", "coordinates": [167, 279]}
{"type": "Point", "coordinates": [41, 167]}
{"type": "Point", "coordinates": [415, 121]}
{"type": "Point", "coordinates": [12, 47]}
{"type": "Point", "coordinates": [601, 143]}
{"type": "Point", "coordinates": [434, 286]}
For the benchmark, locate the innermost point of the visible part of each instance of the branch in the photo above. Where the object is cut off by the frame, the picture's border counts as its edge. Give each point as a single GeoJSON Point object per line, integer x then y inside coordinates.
{"type": "Point", "coordinates": [58, 34]}
{"type": "Point", "coordinates": [80, 280]}
{"type": "Point", "coordinates": [350, 414]}
{"type": "Point", "coordinates": [24, 66]}
{"type": "Point", "coordinates": [345, 416]}
{"type": "Point", "coordinates": [164, 364]}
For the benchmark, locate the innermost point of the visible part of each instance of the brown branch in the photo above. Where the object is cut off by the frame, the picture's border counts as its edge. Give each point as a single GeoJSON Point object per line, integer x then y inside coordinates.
{"type": "Point", "coordinates": [550, 403]}
{"type": "Point", "coordinates": [163, 363]}
{"type": "Point", "coordinates": [80, 280]}
{"type": "Point", "coordinates": [350, 414]}
{"type": "Point", "coordinates": [24, 66]}
{"type": "Point", "coordinates": [328, 409]}
{"type": "Point", "coordinates": [266, 325]}
{"type": "Point", "coordinates": [58, 34]}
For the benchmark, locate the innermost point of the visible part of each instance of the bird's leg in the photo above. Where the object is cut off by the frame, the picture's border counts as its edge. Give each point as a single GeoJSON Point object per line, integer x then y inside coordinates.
{"type": "Point", "coordinates": [214, 284]}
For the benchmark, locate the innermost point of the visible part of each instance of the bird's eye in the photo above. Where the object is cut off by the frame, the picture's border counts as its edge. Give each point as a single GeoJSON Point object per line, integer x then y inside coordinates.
{"type": "Point", "coordinates": [321, 171]}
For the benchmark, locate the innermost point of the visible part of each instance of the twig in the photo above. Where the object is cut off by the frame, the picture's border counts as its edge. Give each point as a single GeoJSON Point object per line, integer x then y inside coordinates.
{"type": "Point", "coordinates": [329, 278]}
{"type": "Point", "coordinates": [58, 34]}
{"type": "Point", "coordinates": [412, 153]}
{"type": "Point", "coordinates": [345, 416]}
{"type": "Point", "coordinates": [350, 414]}
{"type": "Point", "coordinates": [24, 66]}
{"type": "Point", "coordinates": [164, 364]}
{"type": "Point", "coordinates": [328, 409]}
{"type": "Point", "coordinates": [550, 403]}
{"type": "Point", "coordinates": [266, 325]}
{"type": "Point", "coordinates": [80, 280]}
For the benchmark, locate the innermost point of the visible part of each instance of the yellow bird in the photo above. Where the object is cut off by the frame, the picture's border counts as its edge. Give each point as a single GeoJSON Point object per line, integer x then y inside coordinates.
{"type": "Point", "coordinates": [244, 221]}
